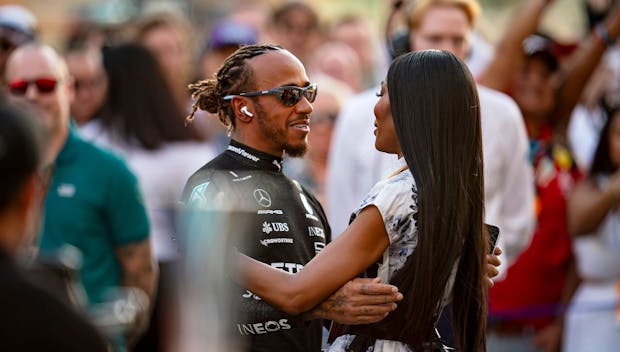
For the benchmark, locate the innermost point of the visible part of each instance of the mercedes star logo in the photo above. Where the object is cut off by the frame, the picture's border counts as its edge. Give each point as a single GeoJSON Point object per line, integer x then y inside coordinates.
{"type": "Point", "coordinates": [262, 197]}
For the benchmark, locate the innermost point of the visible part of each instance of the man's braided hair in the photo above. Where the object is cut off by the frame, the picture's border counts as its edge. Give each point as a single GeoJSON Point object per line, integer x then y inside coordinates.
{"type": "Point", "coordinates": [234, 77]}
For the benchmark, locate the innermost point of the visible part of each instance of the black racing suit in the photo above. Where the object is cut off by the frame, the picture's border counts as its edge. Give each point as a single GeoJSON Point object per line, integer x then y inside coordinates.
{"type": "Point", "coordinates": [283, 225]}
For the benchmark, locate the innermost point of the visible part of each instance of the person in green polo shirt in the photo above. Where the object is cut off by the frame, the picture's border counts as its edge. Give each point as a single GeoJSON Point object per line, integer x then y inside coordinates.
{"type": "Point", "coordinates": [93, 202]}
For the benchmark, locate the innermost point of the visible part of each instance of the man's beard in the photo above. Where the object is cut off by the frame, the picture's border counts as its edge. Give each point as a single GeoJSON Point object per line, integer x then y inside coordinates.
{"type": "Point", "coordinates": [278, 135]}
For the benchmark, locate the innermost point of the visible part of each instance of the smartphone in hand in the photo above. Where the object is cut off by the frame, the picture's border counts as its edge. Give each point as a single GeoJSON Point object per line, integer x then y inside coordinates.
{"type": "Point", "coordinates": [493, 235]}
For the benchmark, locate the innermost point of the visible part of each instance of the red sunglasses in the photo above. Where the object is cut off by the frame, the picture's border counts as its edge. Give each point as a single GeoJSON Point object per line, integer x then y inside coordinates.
{"type": "Point", "coordinates": [44, 85]}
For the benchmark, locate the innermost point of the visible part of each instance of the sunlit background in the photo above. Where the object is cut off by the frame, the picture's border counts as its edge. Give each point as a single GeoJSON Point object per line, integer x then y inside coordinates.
{"type": "Point", "coordinates": [565, 20]}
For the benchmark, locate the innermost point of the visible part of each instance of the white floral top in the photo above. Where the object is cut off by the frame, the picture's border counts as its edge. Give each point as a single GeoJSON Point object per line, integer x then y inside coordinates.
{"type": "Point", "coordinates": [396, 199]}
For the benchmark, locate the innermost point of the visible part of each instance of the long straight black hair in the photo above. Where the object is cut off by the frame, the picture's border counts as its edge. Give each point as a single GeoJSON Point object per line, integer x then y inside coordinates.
{"type": "Point", "coordinates": [435, 106]}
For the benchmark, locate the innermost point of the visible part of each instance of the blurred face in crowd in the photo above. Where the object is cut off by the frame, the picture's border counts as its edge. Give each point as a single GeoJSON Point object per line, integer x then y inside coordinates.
{"type": "Point", "coordinates": [614, 140]}
{"type": "Point", "coordinates": [38, 77]}
{"type": "Point", "coordinates": [533, 89]}
{"type": "Point", "coordinates": [169, 45]}
{"type": "Point", "coordinates": [339, 61]}
{"type": "Point", "coordinates": [280, 127]}
{"type": "Point", "coordinates": [91, 83]}
{"type": "Point", "coordinates": [297, 32]}
{"type": "Point", "coordinates": [325, 111]}
{"type": "Point", "coordinates": [358, 36]}
{"type": "Point", "coordinates": [386, 139]}
{"type": "Point", "coordinates": [442, 27]}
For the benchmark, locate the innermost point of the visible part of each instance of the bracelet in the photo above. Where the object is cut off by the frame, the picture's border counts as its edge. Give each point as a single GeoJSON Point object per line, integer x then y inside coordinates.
{"type": "Point", "coordinates": [601, 32]}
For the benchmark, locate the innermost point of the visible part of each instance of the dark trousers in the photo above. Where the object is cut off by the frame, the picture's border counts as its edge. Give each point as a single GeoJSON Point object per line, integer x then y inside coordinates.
{"type": "Point", "coordinates": [445, 328]}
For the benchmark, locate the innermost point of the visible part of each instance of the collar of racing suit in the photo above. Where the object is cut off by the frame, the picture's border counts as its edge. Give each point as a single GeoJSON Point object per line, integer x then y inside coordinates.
{"type": "Point", "coordinates": [254, 157]}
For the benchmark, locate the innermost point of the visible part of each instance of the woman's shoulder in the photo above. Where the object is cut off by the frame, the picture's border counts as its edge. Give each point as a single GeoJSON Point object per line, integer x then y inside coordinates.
{"type": "Point", "coordinates": [397, 193]}
{"type": "Point", "coordinates": [402, 183]}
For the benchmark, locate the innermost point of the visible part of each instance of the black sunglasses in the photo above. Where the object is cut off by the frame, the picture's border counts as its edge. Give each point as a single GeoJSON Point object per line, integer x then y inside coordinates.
{"type": "Point", "coordinates": [289, 95]}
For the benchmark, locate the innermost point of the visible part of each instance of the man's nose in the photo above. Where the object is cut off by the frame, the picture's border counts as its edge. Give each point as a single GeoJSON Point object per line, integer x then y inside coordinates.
{"type": "Point", "coordinates": [303, 106]}
{"type": "Point", "coordinates": [31, 92]}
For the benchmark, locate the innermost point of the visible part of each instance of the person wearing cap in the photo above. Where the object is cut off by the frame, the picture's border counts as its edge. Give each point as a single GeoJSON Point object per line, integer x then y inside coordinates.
{"type": "Point", "coordinates": [526, 309]}
{"type": "Point", "coordinates": [225, 37]}
{"type": "Point", "coordinates": [94, 202]}
{"type": "Point", "coordinates": [30, 316]}
{"type": "Point", "coordinates": [17, 27]}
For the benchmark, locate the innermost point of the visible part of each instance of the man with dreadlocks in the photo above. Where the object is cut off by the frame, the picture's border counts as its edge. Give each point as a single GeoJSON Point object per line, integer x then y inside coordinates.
{"type": "Point", "coordinates": [263, 96]}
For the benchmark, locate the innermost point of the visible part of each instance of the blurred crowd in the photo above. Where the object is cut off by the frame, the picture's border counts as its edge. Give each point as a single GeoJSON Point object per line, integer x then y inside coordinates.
{"type": "Point", "coordinates": [114, 104]}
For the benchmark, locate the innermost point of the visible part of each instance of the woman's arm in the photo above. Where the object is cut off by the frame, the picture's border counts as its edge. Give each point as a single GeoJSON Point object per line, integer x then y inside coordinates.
{"type": "Point", "coordinates": [588, 205]}
{"type": "Point", "coordinates": [359, 246]}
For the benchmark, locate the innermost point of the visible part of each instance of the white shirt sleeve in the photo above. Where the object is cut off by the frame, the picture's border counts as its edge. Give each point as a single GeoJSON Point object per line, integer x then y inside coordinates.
{"type": "Point", "coordinates": [394, 198]}
{"type": "Point", "coordinates": [509, 177]}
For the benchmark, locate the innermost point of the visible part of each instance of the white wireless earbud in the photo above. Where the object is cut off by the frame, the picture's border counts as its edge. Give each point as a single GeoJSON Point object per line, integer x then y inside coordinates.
{"type": "Point", "coordinates": [244, 109]}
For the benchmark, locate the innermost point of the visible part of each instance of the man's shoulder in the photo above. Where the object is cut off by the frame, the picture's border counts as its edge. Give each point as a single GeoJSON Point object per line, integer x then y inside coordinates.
{"type": "Point", "coordinates": [495, 98]}
{"type": "Point", "coordinates": [218, 165]}
{"type": "Point", "coordinates": [218, 175]}
{"type": "Point", "coordinates": [498, 107]}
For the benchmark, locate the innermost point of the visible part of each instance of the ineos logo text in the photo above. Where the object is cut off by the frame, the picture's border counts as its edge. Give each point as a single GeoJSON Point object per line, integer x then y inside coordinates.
{"type": "Point", "coordinates": [262, 197]}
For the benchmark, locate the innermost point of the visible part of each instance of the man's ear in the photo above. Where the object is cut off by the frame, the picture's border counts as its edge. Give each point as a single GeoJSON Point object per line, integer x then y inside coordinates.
{"type": "Point", "coordinates": [242, 109]}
